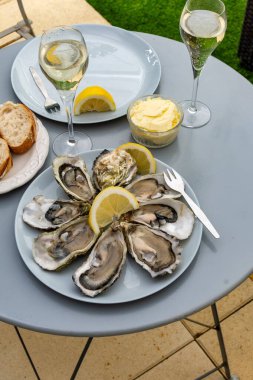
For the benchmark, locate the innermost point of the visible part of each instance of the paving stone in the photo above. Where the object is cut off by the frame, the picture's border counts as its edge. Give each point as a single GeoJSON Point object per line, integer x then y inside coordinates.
{"type": "Point", "coordinates": [127, 356]}
{"type": "Point", "coordinates": [14, 362]}
{"type": "Point", "coordinates": [54, 356]}
{"type": "Point", "coordinates": [187, 364]}
{"type": "Point", "coordinates": [47, 14]}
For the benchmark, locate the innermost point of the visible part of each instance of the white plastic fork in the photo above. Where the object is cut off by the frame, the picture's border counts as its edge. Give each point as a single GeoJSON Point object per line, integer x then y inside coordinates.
{"type": "Point", "coordinates": [175, 181]}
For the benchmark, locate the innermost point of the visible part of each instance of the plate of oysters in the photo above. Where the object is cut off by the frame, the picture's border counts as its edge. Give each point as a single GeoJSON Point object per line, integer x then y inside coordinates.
{"type": "Point", "coordinates": [135, 256]}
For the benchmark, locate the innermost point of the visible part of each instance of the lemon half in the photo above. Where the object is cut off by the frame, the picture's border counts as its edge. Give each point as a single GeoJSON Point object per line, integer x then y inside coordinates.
{"type": "Point", "coordinates": [94, 98]}
{"type": "Point", "coordinates": [109, 204]}
{"type": "Point", "coordinates": [145, 160]}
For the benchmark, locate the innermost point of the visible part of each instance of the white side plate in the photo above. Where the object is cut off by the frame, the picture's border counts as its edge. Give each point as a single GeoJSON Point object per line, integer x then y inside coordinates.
{"type": "Point", "coordinates": [26, 165]}
{"type": "Point", "coordinates": [122, 63]}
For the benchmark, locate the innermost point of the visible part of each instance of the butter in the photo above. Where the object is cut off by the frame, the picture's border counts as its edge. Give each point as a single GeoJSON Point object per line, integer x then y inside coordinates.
{"type": "Point", "coordinates": [155, 114]}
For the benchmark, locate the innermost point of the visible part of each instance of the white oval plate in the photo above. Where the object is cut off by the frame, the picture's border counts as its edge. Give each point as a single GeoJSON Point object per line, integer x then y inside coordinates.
{"type": "Point", "coordinates": [134, 282]}
{"type": "Point", "coordinates": [122, 63]}
{"type": "Point", "coordinates": [26, 165]}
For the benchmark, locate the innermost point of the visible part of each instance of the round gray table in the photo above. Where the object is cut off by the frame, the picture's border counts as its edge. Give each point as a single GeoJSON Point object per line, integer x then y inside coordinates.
{"type": "Point", "coordinates": [216, 161]}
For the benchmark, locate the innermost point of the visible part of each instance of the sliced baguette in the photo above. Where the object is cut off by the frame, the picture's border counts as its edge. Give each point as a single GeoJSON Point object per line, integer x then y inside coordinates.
{"type": "Point", "coordinates": [5, 158]}
{"type": "Point", "coordinates": [17, 126]}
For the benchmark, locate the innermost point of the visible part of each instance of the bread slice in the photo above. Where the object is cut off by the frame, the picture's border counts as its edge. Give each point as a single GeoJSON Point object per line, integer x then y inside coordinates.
{"type": "Point", "coordinates": [17, 126]}
{"type": "Point", "coordinates": [5, 158]}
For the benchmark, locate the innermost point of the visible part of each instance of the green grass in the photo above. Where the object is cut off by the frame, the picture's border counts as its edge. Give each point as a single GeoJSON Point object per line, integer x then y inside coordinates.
{"type": "Point", "coordinates": [161, 17]}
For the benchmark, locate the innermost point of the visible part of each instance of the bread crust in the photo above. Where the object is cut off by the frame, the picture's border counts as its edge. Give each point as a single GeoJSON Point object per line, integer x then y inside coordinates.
{"type": "Point", "coordinates": [6, 162]}
{"type": "Point", "coordinates": [31, 136]}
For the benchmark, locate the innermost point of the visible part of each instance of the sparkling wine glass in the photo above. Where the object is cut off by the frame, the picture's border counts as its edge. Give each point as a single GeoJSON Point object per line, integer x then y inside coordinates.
{"type": "Point", "coordinates": [63, 58]}
{"type": "Point", "coordinates": [202, 27]}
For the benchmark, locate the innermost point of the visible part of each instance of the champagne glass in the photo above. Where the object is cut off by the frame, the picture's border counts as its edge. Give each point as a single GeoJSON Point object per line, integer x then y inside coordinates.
{"type": "Point", "coordinates": [63, 58]}
{"type": "Point", "coordinates": [202, 27]}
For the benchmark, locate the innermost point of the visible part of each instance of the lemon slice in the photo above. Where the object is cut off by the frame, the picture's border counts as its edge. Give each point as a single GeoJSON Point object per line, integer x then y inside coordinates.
{"type": "Point", "coordinates": [94, 98]}
{"type": "Point", "coordinates": [52, 57]}
{"type": "Point", "coordinates": [145, 160]}
{"type": "Point", "coordinates": [109, 204]}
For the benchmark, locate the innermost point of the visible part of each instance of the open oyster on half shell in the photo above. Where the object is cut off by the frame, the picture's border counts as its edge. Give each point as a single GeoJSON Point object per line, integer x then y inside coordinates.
{"type": "Point", "coordinates": [104, 264]}
{"type": "Point", "coordinates": [154, 250]}
{"type": "Point", "coordinates": [116, 168]}
{"type": "Point", "coordinates": [56, 249]}
{"type": "Point", "coordinates": [168, 215]}
{"type": "Point", "coordinates": [47, 214]}
{"type": "Point", "coordinates": [151, 186]}
{"type": "Point", "coordinates": [72, 175]}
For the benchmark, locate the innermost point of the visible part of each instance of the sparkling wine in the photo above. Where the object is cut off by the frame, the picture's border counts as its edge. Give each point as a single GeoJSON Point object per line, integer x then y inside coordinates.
{"type": "Point", "coordinates": [64, 63]}
{"type": "Point", "coordinates": [201, 31]}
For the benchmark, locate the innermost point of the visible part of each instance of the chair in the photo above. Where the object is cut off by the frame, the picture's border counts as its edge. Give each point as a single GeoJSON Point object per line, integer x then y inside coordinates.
{"type": "Point", "coordinates": [245, 51]}
{"type": "Point", "coordinates": [22, 28]}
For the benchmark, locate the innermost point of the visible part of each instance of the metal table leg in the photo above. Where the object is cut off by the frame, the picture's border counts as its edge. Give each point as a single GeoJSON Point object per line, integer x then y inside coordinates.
{"type": "Point", "coordinates": [217, 327]}
{"type": "Point", "coordinates": [78, 364]}
{"type": "Point", "coordinates": [84, 352]}
{"type": "Point", "coordinates": [27, 353]}
{"type": "Point", "coordinates": [224, 364]}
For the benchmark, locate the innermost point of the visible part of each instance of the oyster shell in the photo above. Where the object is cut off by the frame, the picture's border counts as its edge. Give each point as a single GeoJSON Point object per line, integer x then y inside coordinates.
{"type": "Point", "coordinates": [71, 174]}
{"type": "Point", "coordinates": [54, 250]}
{"type": "Point", "coordinates": [104, 264]}
{"type": "Point", "coordinates": [151, 186]}
{"type": "Point", "coordinates": [114, 168]}
{"type": "Point", "coordinates": [47, 214]}
{"type": "Point", "coordinates": [168, 215]}
{"type": "Point", "coordinates": [157, 252]}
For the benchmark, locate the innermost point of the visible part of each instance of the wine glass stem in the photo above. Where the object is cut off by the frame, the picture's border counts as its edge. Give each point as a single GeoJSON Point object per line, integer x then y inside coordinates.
{"type": "Point", "coordinates": [196, 74]}
{"type": "Point", "coordinates": [67, 100]}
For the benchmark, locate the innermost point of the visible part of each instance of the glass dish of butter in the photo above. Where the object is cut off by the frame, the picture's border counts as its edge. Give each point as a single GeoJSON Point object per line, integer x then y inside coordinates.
{"type": "Point", "coordinates": [154, 120]}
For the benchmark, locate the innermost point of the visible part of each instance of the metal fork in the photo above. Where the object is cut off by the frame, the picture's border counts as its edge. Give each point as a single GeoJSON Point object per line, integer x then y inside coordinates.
{"type": "Point", "coordinates": [50, 104]}
{"type": "Point", "coordinates": [175, 181]}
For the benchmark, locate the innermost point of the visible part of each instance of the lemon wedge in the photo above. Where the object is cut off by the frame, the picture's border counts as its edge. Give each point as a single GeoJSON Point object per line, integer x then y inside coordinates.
{"type": "Point", "coordinates": [145, 161]}
{"type": "Point", "coordinates": [94, 98]}
{"type": "Point", "coordinates": [110, 204]}
{"type": "Point", "coordinates": [52, 57]}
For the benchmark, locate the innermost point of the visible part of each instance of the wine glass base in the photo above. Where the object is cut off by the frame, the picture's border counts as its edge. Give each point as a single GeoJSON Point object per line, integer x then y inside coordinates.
{"type": "Point", "coordinates": [195, 119]}
{"type": "Point", "coordinates": [63, 147]}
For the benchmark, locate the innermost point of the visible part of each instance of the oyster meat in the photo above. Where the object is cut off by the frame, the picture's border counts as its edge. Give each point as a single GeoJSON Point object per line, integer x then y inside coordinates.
{"type": "Point", "coordinates": [151, 186]}
{"type": "Point", "coordinates": [54, 250]}
{"type": "Point", "coordinates": [168, 215]}
{"type": "Point", "coordinates": [114, 168]}
{"type": "Point", "coordinates": [47, 214]}
{"type": "Point", "coordinates": [104, 264]}
{"type": "Point", "coordinates": [71, 174]}
{"type": "Point", "coordinates": [157, 252]}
